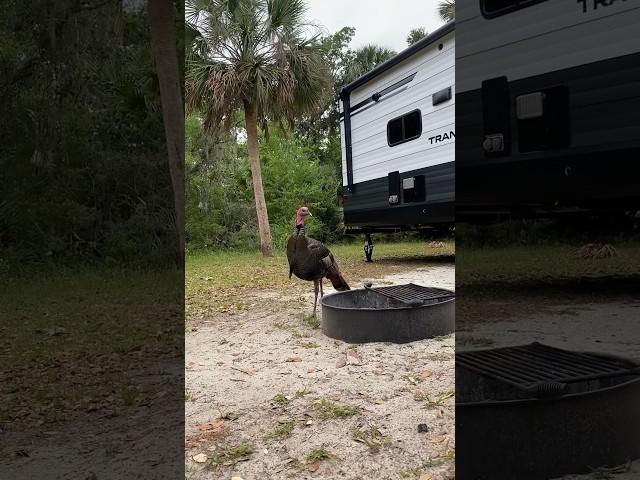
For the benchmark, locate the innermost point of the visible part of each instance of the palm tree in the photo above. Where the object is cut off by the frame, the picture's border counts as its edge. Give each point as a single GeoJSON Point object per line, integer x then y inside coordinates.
{"type": "Point", "coordinates": [415, 34]}
{"type": "Point", "coordinates": [363, 60]}
{"type": "Point", "coordinates": [447, 10]}
{"type": "Point", "coordinates": [254, 56]}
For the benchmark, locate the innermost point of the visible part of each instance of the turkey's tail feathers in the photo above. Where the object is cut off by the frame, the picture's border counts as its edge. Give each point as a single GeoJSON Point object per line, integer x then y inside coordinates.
{"type": "Point", "coordinates": [338, 281]}
{"type": "Point", "coordinates": [333, 273]}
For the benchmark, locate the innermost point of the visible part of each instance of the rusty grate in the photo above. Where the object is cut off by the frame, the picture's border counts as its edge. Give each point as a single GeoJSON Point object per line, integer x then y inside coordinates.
{"type": "Point", "coordinates": [527, 366]}
{"type": "Point", "coordinates": [410, 293]}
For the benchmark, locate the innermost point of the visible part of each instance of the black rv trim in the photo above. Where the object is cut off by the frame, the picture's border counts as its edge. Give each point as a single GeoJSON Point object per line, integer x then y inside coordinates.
{"type": "Point", "coordinates": [364, 109]}
{"type": "Point", "coordinates": [369, 206]}
{"type": "Point", "coordinates": [377, 96]}
{"type": "Point", "coordinates": [516, 5]}
{"type": "Point", "coordinates": [347, 142]}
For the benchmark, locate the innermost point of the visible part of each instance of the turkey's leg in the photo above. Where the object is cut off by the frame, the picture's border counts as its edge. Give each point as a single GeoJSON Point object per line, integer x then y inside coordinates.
{"type": "Point", "coordinates": [321, 292]}
{"type": "Point", "coordinates": [315, 300]}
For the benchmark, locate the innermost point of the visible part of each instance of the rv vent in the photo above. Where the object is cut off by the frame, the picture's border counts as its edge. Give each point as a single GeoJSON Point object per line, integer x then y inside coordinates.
{"type": "Point", "coordinates": [413, 189]}
{"type": "Point", "coordinates": [543, 119]}
{"type": "Point", "coordinates": [441, 96]}
{"type": "Point", "coordinates": [530, 105]}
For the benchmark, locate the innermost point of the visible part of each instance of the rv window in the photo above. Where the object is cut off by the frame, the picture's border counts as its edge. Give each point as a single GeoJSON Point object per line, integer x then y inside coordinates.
{"type": "Point", "coordinates": [495, 8]}
{"type": "Point", "coordinates": [405, 128]}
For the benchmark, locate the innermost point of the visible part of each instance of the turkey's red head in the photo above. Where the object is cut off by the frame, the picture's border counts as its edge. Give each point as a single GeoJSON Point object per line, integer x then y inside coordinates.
{"type": "Point", "coordinates": [302, 212]}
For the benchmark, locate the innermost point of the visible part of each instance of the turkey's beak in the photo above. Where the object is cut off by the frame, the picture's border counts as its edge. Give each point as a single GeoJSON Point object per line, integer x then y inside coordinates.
{"type": "Point", "coordinates": [310, 214]}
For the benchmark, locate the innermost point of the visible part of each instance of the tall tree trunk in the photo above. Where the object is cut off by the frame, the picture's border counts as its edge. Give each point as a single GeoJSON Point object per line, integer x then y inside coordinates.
{"type": "Point", "coordinates": [251, 122]}
{"type": "Point", "coordinates": [164, 46]}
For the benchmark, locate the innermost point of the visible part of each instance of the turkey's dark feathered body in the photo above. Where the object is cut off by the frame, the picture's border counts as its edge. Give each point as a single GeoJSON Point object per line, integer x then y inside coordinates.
{"type": "Point", "coordinates": [309, 259]}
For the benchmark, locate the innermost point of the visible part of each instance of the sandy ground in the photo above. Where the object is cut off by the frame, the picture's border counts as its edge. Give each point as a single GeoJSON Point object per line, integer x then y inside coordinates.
{"type": "Point", "coordinates": [607, 326]}
{"type": "Point", "coordinates": [139, 444]}
{"type": "Point", "coordinates": [239, 363]}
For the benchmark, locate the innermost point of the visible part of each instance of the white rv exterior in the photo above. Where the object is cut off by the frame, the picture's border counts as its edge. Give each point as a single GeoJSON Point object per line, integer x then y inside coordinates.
{"type": "Point", "coordinates": [548, 104]}
{"type": "Point", "coordinates": [389, 178]}
{"type": "Point", "coordinates": [542, 38]}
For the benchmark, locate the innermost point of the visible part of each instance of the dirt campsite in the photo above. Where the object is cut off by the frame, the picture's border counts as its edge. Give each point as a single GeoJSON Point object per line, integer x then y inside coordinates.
{"type": "Point", "coordinates": [269, 396]}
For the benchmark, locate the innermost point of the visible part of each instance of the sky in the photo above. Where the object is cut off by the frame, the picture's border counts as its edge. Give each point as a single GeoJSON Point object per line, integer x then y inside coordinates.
{"type": "Point", "coordinates": [382, 22]}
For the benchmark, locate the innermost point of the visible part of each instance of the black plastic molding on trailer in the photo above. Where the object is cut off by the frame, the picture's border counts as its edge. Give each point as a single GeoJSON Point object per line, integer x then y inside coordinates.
{"type": "Point", "coordinates": [345, 93]}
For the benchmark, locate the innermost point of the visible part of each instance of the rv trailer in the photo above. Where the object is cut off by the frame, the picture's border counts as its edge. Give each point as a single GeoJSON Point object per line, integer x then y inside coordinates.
{"type": "Point", "coordinates": [397, 126]}
{"type": "Point", "coordinates": [548, 107]}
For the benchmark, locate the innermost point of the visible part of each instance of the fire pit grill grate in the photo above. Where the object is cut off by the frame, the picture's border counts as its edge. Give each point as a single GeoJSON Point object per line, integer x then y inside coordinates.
{"type": "Point", "coordinates": [526, 366]}
{"type": "Point", "coordinates": [411, 292]}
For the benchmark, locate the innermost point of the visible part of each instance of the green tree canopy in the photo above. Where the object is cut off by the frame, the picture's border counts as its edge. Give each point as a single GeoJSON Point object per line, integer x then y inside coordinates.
{"type": "Point", "coordinates": [259, 57]}
{"type": "Point", "coordinates": [447, 10]}
{"type": "Point", "coordinates": [416, 34]}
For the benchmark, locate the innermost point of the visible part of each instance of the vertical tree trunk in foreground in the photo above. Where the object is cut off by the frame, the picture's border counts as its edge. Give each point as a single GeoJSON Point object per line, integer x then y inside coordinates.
{"type": "Point", "coordinates": [251, 122]}
{"type": "Point", "coordinates": [164, 47]}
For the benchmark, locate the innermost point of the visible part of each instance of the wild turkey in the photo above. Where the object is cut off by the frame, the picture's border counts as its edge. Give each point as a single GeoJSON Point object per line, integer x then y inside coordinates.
{"type": "Point", "coordinates": [310, 260]}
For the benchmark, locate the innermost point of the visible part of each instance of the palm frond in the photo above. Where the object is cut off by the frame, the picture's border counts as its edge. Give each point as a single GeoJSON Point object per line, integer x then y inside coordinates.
{"type": "Point", "coordinates": [447, 10]}
{"type": "Point", "coordinates": [253, 51]}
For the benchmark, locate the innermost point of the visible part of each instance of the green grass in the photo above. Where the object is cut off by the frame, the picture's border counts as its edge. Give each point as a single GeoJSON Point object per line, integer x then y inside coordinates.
{"type": "Point", "coordinates": [223, 281]}
{"type": "Point", "coordinates": [539, 264]}
{"type": "Point", "coordinates": [301, 393]}
{"type": "Point", "coordinates": [320, 453]}
{"type": "Point", "coordinates": [311, 321]}
{"type": "Point", "coordinates": [283, 429]}
{"type": "Point", "coordinates": [372, 437]}
{"type": "Point", "coordinates": [280, 399]}
{"type": "Point", "coordinates": [439, 400]}
{"type": "Point", "coordinates": [326, 409]}
{"type": "Point", "coordinates": [70, 334]}
{"type": "Point", "coordinates": [230, 455]}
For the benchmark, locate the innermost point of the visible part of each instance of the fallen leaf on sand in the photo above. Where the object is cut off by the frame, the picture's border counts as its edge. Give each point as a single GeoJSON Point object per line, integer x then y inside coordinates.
{"type": "Point", "coordinates": [353, 358]}
{"type": "Point", "coordinates": [312, 467]}
{"type": "Point", "coordinates": [311, 370]}
{"type": "Point", "coordinates": [341, 362]}
{"type": "Point", "coordinates": [200, 458]}
{"type": "Point", "coordinates": [294, 359]}
{"type": "Point", "coordinates": [211, 426]}
{"type": "Point", "coordinates": [437, 439]}
{"type": "Point", "coordinates": [426, 373]}
{"type": "Point", "coordinates": [426, 476]}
